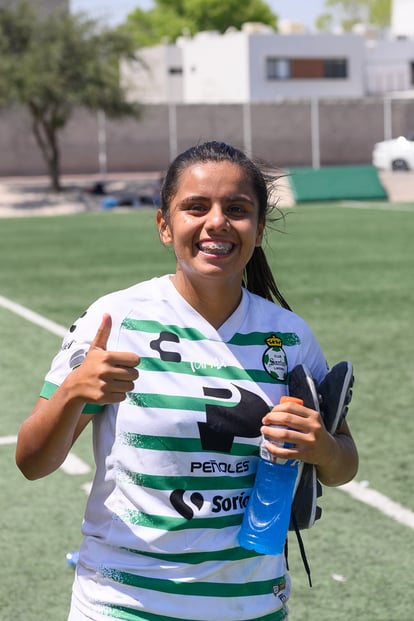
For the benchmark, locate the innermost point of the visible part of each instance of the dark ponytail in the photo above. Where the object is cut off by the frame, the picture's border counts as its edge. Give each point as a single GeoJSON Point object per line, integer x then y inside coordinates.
{"type": "Point", "coordinates": [258, 278]}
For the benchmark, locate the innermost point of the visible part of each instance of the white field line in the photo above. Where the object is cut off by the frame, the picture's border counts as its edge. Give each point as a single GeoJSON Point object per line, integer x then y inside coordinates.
{"type": "Point", "coordinates": [377, 500]}
{"type": "Point", "coordinates": [87, 487]}
{"type": "Point", "coordinates": [30, 315]}
{"type": "Point", "coordinates": [377, 206]}
{"type": "Point", "coordinates": [71, 465]}
{"type": "Point", "coordinates": [402, 207]}
{"type": "Point", "coordinates": [74, 465]}
{"type": "Point", "coordinates": [8, 440]}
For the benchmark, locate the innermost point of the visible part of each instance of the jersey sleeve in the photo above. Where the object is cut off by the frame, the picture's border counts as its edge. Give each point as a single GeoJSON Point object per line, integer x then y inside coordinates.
{"type": "Point", "coordinates": [74, 348]}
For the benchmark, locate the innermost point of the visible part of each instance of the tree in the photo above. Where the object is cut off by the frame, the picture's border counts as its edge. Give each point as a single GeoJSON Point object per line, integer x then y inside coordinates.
{"type": "Point", "coordinates": [52, 66]}
{"type": "Point", "coordinates": [351, 12]}
{"type": "Point", "coordinates": [169, 19]}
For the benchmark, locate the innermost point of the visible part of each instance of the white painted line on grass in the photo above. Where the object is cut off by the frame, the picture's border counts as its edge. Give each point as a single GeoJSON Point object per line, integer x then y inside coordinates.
{"type": "Point", "coordinates": [377, 206]}
{"type": "Point", "coordinates": [72, 464]}
{"type": "Point", "coordinates": [87, 487]}
{"type": "Point", "coordinates": [8, 440]}
{"type": "Point", "coordinates": [35, 318]}
{"type": "Point", "coordinates": [380, 502]}
{"type": "Point", "coordinates": [75, 465]}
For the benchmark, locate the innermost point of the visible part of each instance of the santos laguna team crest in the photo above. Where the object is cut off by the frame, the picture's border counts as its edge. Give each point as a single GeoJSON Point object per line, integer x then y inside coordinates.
{"type": "Point", "coordinates": [274, 359]}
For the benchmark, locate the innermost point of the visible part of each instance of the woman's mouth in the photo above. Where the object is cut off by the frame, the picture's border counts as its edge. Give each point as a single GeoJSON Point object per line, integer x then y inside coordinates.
{"type": "Point", "coordinates": [215, 248]}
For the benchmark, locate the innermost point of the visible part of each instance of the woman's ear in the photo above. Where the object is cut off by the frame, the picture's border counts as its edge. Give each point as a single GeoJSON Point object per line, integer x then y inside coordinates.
{"type": "Point", "coordinates": [163, 228]}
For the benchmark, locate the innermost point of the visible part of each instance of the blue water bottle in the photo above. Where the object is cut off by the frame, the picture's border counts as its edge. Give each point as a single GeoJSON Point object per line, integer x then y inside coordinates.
{"type": "Point", "coordinates": [267, 516]}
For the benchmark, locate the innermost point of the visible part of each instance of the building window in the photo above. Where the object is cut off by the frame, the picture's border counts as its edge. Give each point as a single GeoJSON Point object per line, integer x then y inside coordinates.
{"type": "Point", "coordinates": [335, 68]}
{"type": "Point", "coordinates": [277, 68]}
{"type": "Point", "coordinates": [306, 68]}
{"type": "Point", "coordinates": [175, 70]}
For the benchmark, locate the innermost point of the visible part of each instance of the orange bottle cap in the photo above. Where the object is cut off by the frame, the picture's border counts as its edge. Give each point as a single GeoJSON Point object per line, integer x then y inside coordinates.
{"type": "Point", "coordinates": [289, 398]}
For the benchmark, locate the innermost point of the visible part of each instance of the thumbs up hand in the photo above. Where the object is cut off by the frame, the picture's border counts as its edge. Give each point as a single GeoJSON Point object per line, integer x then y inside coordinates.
{"type": "Point", "coordinates": [105, 376]}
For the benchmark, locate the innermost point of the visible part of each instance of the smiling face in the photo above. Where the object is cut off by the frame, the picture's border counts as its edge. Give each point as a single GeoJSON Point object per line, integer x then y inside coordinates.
{"type": "Point", "coordinates": [213, 225]}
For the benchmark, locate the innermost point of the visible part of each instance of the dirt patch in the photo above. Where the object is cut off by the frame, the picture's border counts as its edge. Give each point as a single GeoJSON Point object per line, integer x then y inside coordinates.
{"type": "Point", "coordinates": [398, 185]}
{"type": "Point", "coordinates": [32, 197]}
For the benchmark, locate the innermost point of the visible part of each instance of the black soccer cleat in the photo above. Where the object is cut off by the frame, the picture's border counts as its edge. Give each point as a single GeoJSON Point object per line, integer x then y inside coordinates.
{"type": "Point", "coordinates": [308, 489]}
{"type": "Point", "coordinates": [335, 394]}
{"type": "Point", "coordinates": [331, 398]}
{"type": "Point", "coordinates": [302, 385]}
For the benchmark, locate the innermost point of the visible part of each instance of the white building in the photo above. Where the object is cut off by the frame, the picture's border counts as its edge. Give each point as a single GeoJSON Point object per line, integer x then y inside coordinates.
{"type": "Point", "coordinates": [158, 78]}
{"type": "Point", "coordinates": [402, 18]}
{"type": "Point", "coordinates": [389, 66]}
{"type": "Point", "coordinates": [251, 65]}
{"type": "Point", "coordinates": [256, 64]}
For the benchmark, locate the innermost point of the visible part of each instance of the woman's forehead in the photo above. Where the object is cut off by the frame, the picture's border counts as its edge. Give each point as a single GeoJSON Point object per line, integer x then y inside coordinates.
{"type": "Point", "coordinates": [213, 175]}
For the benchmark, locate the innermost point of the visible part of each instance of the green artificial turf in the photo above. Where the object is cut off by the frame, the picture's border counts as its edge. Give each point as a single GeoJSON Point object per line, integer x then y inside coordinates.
{"type": "Point", "coordinates": [348, 270]}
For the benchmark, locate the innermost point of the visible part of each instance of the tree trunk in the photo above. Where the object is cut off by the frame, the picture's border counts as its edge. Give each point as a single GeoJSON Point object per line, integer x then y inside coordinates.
{"type": "Point", "coordinates": [46, 135]}
{"type": "Point", "coordinates": [54, 173]}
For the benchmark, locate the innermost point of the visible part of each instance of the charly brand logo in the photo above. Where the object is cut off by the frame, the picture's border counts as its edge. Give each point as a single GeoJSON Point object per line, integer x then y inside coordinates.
{"type": "Point", "coordinates": [274, 359]}
{"type": "Point", "coordinates": [163, 346]}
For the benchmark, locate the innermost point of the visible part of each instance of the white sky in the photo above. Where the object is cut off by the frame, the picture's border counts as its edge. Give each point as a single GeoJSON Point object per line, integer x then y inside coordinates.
{"type": "Point", "coordinates": [115, 11]}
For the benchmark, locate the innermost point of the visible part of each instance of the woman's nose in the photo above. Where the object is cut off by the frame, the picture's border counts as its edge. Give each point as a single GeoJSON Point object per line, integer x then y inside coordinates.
{"type": "Point", "coordinates": [217, 218]}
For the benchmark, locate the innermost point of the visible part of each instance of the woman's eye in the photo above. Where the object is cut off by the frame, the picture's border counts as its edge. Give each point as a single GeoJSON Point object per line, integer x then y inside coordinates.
{"type": "Point", "coordinates": [236, 209]}
{"type": "Point", "coordinates": [196, 207]}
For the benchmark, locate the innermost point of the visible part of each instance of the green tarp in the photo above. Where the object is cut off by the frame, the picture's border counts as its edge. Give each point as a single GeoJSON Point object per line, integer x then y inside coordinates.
{"type": "Point", "coordinates": [333, 183]}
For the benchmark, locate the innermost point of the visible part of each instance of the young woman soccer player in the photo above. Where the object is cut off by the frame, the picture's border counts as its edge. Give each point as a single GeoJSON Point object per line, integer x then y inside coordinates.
{"type": "Point", "coordinates": [176, 443]}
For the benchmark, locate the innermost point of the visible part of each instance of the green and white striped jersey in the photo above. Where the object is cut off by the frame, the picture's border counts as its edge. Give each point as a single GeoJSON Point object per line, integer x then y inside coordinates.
{"type": "Point", "coordinates": [175, 462]}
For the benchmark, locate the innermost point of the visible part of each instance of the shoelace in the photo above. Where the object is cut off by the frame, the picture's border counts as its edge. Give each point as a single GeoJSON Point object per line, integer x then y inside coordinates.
{"type": "Point", "coordinates": [301, 548]}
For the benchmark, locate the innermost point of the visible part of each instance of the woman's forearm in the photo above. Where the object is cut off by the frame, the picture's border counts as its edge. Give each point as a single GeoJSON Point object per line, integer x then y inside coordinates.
{"type": "Point", "coordinates": [343, 463]}
{"type": "Point", "coordinates": [47, 435]}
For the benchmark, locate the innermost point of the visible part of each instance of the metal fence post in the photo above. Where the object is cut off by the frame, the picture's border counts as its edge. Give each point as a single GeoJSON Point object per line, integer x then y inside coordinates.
{"type": "Point", "coordinates": [102, 153]}
{"type": "Point", "coordinates": [315, 133]}
{"type": "Point", "coordinates": [247, 129]}
{"type": "Point", "coordinates": [387, 117]}
{"type": "Point", "coordinates": [172, 130]}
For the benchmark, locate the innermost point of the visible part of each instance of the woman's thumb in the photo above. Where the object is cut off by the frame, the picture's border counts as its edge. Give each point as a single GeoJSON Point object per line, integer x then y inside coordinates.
{"type": "Point", "coordinates": [101, 338]}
